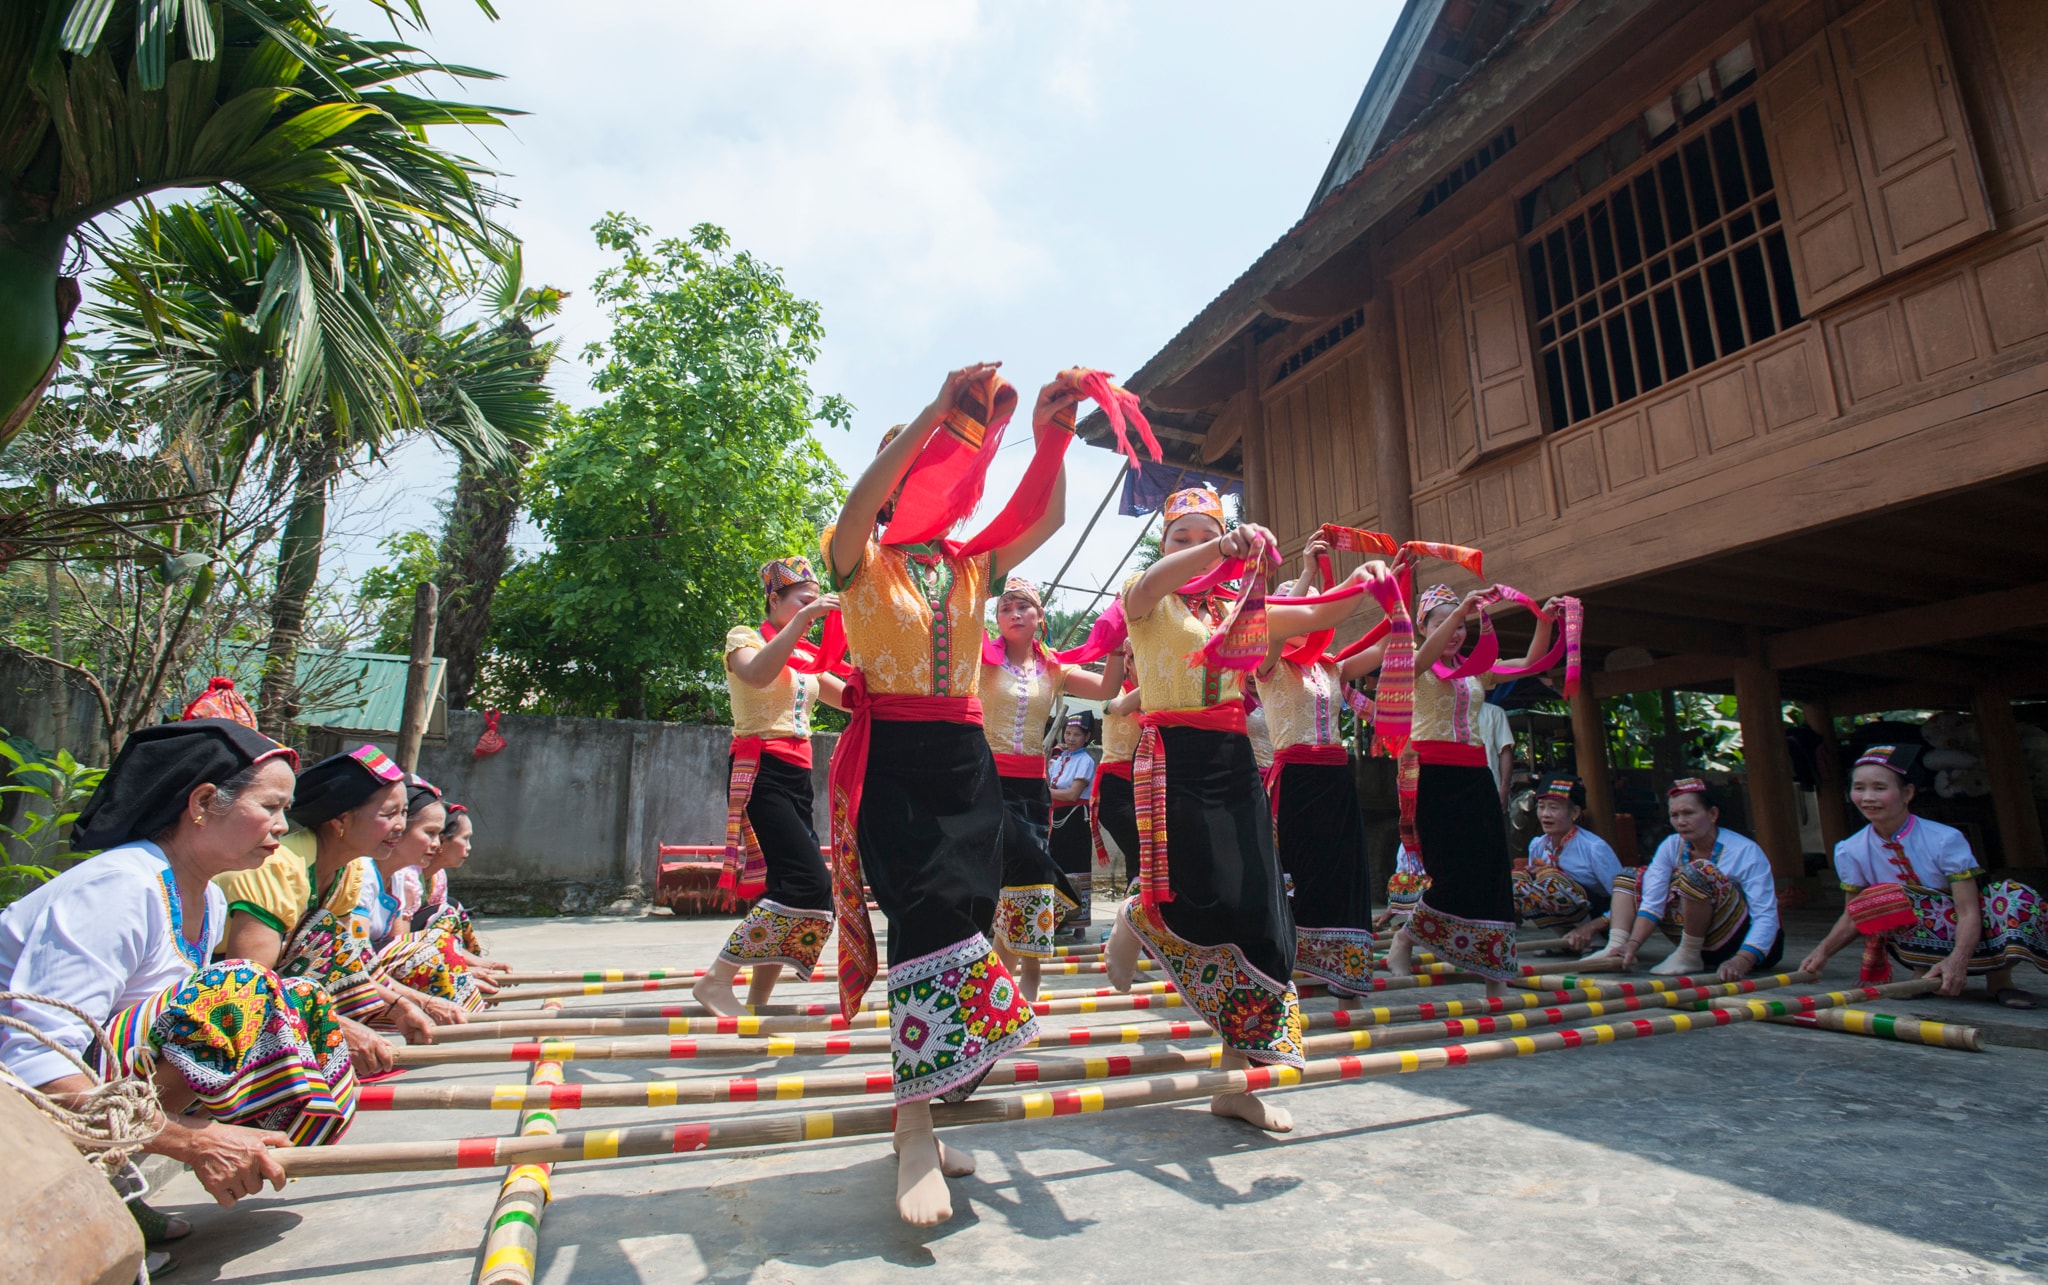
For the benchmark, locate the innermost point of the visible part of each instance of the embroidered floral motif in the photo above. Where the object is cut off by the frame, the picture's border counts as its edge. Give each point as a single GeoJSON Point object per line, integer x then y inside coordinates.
{"type": "Point", "coordinates": [1404, 889]}
{"type": "Point", "coordinates": [952, 1015]}
{"type": "Point", "coordinates": [1340, 956]}
{"type": "Point", "coordinates": [2015, 929]}
{"type": "Point", "coordinates": [259, 1050]}
{"type": "Point", "coordinates": [1256, 1015]}
{"type": "Point", "coordinates": [427, 962]}
{"type": "Point", "coordinates": [773, 933]}
{"type": "Point", "coordinates": [1549, 898]}
{"type": "Point", "coordinates": [1028, 917]}
{"type": "Point", "coordinates": [335, 954]}
{"type": "Point", "coordinates": [1481, 946]}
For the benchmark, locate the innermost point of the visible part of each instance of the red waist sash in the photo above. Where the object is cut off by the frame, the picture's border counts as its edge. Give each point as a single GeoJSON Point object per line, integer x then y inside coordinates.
{"type": "Point", "coordinates": [857, 960]}
{"type": "Point", "coordinates": [1114, 767]}
{"type": "Point", "coordinates": [1450, 754]}
{"type": "Point", "coordinates": [1326, 755]}
{"type": "Point", "coordinates": [1022, 767]}
{"type": "Point", "coordinates": [1148, 778]}
{"type": "Point", "coordinates": [795, 750]}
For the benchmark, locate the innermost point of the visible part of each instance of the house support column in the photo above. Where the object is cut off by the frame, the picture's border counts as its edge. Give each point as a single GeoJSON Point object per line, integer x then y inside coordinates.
{"type": "Point", "coordinates": [1589, 750]}
{"type": "Point", "coordinates": [1252, 440]}
{"type": "Point", "coordinates": [2012, 794]}
{"type": "Point", "coordinates": [1773, 809]}
{"type": "Point", "coordinates": [1831, 792]}
{"type": "Point", "coordinates": [1388, 425]}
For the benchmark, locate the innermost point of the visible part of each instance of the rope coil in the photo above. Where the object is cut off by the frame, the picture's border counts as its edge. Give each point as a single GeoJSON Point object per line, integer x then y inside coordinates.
{"type": "Point", "coordinates": [108, 1123]}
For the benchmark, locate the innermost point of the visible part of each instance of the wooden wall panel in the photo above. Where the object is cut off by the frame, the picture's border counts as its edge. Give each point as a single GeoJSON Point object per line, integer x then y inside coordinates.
{"type": "Point", "coordinates": [1429, 450]}
{"type": "Point", "coordinates": [2015, 289]}
{"type": "Point", "coordinates": [1497, 333]}
{"type": "Point", "coordinates": [2018, 31]}
{"type": "Point", "coordinates": [1318, 435]}
{"type": "Point", "coordinates": [1913, 147]}
{"type": "Point", "coordinates": [1827, 228]}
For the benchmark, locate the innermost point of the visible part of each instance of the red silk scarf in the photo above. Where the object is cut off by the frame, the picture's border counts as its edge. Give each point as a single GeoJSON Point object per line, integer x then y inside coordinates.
{"type": "Point", "coordinates": [826, 656]}
{"type": "Point", "coordinates": [944, 505]}
{"type": "Point", "coordinates": [1148, 781]}
{"type": "Point", "coordinates": [1120, 405]}
{"type": "Point", "coordinates": [945, 481]}
{"type": "Point", "coordinates": [848, 774]}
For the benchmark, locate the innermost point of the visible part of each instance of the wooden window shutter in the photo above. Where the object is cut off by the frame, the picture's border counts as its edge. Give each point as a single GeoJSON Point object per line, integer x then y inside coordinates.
{"type": "Point", "coordinates": [1497, 338]}
{"type": "Point", "coordinates": [1827, 227]}
{"type": "Point", "coordinates": [1451, 368]}
{"type": "Point", "coordinates": [1919, 169]}
{"type": "Point", "coordinates": [1422, 391]}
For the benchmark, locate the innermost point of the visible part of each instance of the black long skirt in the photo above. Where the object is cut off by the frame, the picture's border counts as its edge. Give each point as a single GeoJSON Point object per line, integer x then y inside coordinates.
{"type": "Point", "coordinates": [1116, 811]}
{"type": "Point", "coordinates": [1321, 836]}
{"type": "Point", "coordinates": [1220, 860]}
{"type": "Point", "coordinates": [1467, 917]}
{"type": "Point", "coordinates": [931, 834]}
{"type": "Point", "coordinates": [1036, 894]}
{"type": "Point", "coordinates": [1073, 851]}
{"type": "Point", "coordinates": [779, 809]}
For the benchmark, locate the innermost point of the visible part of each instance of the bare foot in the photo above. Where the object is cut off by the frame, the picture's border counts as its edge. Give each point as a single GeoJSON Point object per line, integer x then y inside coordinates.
{"type": "Point", "coordinates": [953, 1162]}
{"type": "Point", "coordinates": [1120, 960]}
{"type": "Point", "coordinates": [1254, 1111]}
{"type": "Point", "coordinates": [714, 990]}
{"type": "Point", "coordinates": [1399, 955]}
{"type": "Point", "coordinates": [762, 986]}
{"type": "Point", "coordinates": [922, 1198]}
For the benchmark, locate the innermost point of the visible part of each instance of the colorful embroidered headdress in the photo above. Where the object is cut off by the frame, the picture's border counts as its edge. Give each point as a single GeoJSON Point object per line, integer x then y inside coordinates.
{"type": "Point", "coordinates": [1686, 785]}
{"type": "Point", "coordinates": [1898, 758]}
{"type": "Point", "coordinates": [784, 572]}
{"type": "Point", "coordinates": [1568, 788]}
{"type": "Point", "coordinates": [221, 700]}
{"type": "Point", "coordinates": [1019, 587]}
{"type": "Point", "coordinates": [1195, 500]}
{"type": "Point", "coordinates": [1433, 598]}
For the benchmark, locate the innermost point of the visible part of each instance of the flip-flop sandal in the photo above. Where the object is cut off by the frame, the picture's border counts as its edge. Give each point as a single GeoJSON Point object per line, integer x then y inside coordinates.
{"type": "Point", "coordinates": [2014, 997]}
{"type": "Point", "coordinates": [158, 1228]}
{"type": "Point", "coordinates": [157, 1263]}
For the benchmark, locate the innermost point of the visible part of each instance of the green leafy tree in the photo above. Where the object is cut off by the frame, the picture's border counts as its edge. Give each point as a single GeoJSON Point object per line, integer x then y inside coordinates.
{"type": "Point", "coordinates": [55, 791]}
{"type": "Point", "coordinates": [661, 503]}
{"type": "Point", "coordinates": [387, 590]}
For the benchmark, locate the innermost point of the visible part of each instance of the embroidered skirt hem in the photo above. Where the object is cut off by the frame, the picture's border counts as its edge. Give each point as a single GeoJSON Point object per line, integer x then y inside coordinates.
{"type": "Point", "coordinates": [1547, 897]}
{"type": "Point", "coordinates": [1341, 957]}
{"type": "Point", "coordinates": [1482, 946]}
{"type": "Point", "coordinates": [2015, 929]}
{"type": "Point", "coordinates": [1255, 1014]}
{"type": "Point", "coordinates": [953, 1014]}
{"type": "Point", "coordinates": [1028, 919]}
{"type": "Point", "coordinates": [772, 933]}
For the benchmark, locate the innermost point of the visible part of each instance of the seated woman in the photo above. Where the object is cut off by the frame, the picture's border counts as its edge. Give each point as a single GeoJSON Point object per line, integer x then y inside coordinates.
{"type": "Point", "coordinates": [424, 901]}
{"type": "Point", "coordinates": [298, 911]}
{"type": "Point", "coordinates": [1071, 777]}
{"type": "Point", "coordinates": [1915, 895]}
{"type": "Point", "coordinates": [125, 937]}
{"type": "Point", "coordinates": [1571, 872]}
{"type": "Point", "coordinates": [1709, 889]}
{"type": "Point", "coordinates": [426, 962]}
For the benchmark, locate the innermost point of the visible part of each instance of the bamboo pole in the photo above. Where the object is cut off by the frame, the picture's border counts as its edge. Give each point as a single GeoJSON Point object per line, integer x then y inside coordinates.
{"type": "Point", "coordinates": [512, 1233]}
{"type": "Point", "coordinates": [664, 1093]}
{"type": "Point", "coordinates": [812, 1126]}
{"type": "Point", "coordinates": [1884, 1026]}
{"type": "Point", "coordinates": [874, 1003]}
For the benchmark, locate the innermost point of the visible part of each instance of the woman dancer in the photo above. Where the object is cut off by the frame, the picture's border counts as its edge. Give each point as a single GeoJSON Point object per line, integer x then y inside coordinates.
{"type": "Point", "coordinates": [1571, 871]}
{"type": "Point", "coordinates": [1467, 914]}
{"type": "Point", "coordinates": [916, 804]}
{"type": "Point", "coordinates": [1071, 776]}
{"type": "Point", "coordinates": [1115, 812]}
{"type": "Point", "coordinates": [428, 962]}
{"type": "Point", "coordinates": [1019, 683]}
{"type": "Point", "coordinates": [424, 903]}
{"type": "Point", "coordinates": [1916, 893]}
{"type": "Point", "coordinates": [127, 938]}
{"type": "Point", "coordinates": [1319, 827]}
{"type": "Point", "coordinates": [1211, 908]}
{"type": "Point", "coordinates": [771, 849]}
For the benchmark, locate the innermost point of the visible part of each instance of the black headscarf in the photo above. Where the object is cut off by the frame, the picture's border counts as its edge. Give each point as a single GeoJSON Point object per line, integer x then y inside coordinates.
{"type": "Point", "coordinates": [341, 783]}
{"type": "Point", "coordinates": [156, 771]}
{"type": "Point", "coordinates": [419, 792]}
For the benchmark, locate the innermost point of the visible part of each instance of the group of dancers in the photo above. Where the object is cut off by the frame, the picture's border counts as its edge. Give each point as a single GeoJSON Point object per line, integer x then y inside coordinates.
{"type": "Point", "coordinates": [259, 930]}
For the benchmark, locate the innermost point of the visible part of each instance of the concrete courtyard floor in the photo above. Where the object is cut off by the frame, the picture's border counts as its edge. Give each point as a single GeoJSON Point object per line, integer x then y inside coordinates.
{"type": "Point", "coordinates": [1750, 1153]}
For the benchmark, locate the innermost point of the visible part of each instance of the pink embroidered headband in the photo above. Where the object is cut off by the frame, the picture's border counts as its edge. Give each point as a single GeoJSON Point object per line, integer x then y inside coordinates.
{"type": "Point", "coordinates": [1686, 785]}
{"type": "Point", "coordinates": [1195, 501]}
{"type": "Point", "coordinates": [1434, 597]}
{"type": "Point", "coordinates": [1019, 587]}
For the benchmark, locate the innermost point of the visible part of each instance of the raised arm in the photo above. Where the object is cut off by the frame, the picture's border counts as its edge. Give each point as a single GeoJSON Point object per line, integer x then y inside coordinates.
{"type": "Point", "coordinates": [1540, 644]}
{"type": "Point", "coordinates": [1183, 565]}
{"type": "Point", "coordinates": [759, 666]}
{"type": "Point", "coordinates": [881, 478]}
{"type": "Point", "coordinates": [1089, 685]}
{"type": "Point", "coordinates": [1431, 649]}
{"type": "Point", "coordinates": [1286, 622]}
{"type": "Point", "coordinates": [1054, 398]}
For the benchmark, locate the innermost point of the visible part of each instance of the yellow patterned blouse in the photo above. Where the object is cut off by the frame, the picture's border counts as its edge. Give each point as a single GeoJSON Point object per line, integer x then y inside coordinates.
{"type": "Point", "coordinates": [782, 708]}
{"type": "Point", "coordinates": [280, 891]}
{"type": "Point", "coordinates": [1015, 702]}
{"type": "Point", "coordinates": [1443, 709]}
{"type": "Point", "coordinates": [913, 622]}
{"type": "Point", "coordinates": [1119, 737]}
{"type": "Point", "coordinates": [1160, 643]}
{"type": "Point", "coordinates": [1301, 704]}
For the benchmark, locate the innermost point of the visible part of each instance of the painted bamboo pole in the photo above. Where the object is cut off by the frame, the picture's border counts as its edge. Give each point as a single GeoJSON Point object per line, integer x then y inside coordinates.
{"type": "Point", "coordinates": [811, 1126]}
{"type": "Point", "coordinates": [1906, 1030]}
{"type": "Point", "coordinates": [829, 1008]}
{"type": "Point", "coordinates": [664, 1093]}
{"type": "Point", "coordinates": [512, 1234]}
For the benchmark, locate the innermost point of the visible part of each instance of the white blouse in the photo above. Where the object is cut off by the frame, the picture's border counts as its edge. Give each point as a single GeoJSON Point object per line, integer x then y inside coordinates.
{"type": "Point", "coordinates": [1938, 854]}
{"type": "Point", "coordinates": [100, 936]}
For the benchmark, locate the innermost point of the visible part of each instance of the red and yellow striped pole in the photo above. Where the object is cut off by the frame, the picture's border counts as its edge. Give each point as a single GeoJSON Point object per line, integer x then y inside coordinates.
{"type": "Point", "coordinates": [512, 1236]}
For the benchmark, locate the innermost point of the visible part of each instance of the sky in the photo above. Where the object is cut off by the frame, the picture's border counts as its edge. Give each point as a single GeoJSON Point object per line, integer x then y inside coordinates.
{"type": "Point", "coordinates": [1042, 184]}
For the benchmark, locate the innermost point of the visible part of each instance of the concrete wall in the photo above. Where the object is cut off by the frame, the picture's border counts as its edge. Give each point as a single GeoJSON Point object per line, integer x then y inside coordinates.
{"type": "Point", "coordinates": [569, 814]}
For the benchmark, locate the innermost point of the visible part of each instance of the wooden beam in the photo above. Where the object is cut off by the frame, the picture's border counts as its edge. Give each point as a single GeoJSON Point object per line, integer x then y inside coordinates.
{"type": "Point", "coordinates": [1385, 420]}
{"type": "Point", "coordinates": [1608, 625]}
{"type": "Point", "coordinates": [1876, 700]}
{"type": "Point", "coordinates": [1207, 385]}
{"type": "Point", "coordinates": [2012, 793]}
{"type": "Point", "coordinates": [1773, 811]}
{"type": "Point", "coordinates": [1971, 617]}
{"type": "Point", "coordinates": [1334, 288]}
{"type": "Point", "coordinates": [1589, 756]}
{"type": "Point", "coordinates": [1681, 672]}
{"type": "Point", "coordinates": [1258, 498]}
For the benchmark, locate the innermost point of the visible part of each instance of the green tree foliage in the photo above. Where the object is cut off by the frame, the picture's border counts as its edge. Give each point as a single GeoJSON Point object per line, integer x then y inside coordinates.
{"type": "Point", "coordinates": [660, 503]}
{"type": "Point", "coordinates": [387, 590]}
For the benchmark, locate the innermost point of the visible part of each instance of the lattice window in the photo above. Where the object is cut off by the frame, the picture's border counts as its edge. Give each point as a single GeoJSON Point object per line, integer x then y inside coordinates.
{"type": "Point", "coordinates": [1675, 262]}
{"type": "Point", "coordinates": [1322, 344]}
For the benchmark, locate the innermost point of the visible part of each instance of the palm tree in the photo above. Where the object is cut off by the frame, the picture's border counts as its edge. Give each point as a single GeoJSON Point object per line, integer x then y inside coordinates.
{"type": "Point", "coordinates": [295, 120]}
{"type": "Point", "coordinates": [476, 543]}
{"type": "Point", "coordinates": [307, 361]}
